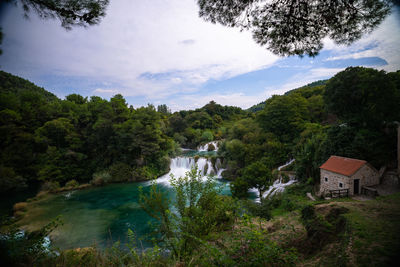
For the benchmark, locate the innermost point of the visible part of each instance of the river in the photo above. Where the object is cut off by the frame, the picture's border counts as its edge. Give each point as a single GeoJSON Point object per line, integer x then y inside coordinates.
{"type": "Point", "coordinates": [102, 215]}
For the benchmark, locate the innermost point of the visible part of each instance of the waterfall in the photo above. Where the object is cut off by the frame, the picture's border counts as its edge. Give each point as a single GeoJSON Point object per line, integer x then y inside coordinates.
{"type": "Point", "coordinates": [205, 146]}
{"type": "Point", "coordinates": [286, 164]}
{"type": "Point", "coordinates": [278, 186]}
{"type": "Point", "coordinates": [180, 165]}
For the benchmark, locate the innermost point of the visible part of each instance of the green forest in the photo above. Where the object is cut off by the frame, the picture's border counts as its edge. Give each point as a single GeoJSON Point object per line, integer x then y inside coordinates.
{"type": "Point", "coordinates": [52, 141]}
{"type": "Point", "coordinates": [55, 143]}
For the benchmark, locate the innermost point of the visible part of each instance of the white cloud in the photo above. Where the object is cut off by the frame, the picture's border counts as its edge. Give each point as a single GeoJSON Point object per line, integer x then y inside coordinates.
{"type": "Point", "coordinates": [104, 91]}
{"type": "Point", "coordinates": [168, 41]}
{"type": "Point", "coordinates": [135, 37]}
{"type": "Point", "coordinates": [383, 42]}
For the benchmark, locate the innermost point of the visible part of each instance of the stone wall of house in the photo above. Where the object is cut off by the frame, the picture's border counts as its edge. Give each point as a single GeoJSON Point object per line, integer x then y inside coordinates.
{"type": "Point", "coordinates": [368, 176]}
{"type": "Point", "coordinates": [333, 181]}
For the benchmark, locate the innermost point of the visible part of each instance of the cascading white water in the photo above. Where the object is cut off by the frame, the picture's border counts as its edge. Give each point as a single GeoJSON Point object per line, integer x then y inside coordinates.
{"type": "Point", "coordinates": [180, 165]}
{"type": "Point", "coordinates": [286, 164]}
{"type": "Point", "coordinates": [278, 186]}
{"type": "Point", "coordinates": [205, 146]}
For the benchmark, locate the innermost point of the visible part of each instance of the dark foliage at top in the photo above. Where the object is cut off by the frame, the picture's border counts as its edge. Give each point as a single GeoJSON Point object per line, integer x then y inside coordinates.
{"type": "Point", "coordinates": [69, 12]}
{"type": "Point", "coordinates": [297, 27]}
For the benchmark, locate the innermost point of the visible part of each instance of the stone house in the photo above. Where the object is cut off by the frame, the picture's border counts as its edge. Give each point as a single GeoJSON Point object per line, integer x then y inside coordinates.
{"type": "Point", "coordinates": [347, 173]}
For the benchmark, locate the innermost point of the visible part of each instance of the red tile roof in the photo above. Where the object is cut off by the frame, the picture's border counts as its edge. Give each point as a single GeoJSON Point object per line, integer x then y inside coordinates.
{"type": "Point", "coordinates": [341, 165]}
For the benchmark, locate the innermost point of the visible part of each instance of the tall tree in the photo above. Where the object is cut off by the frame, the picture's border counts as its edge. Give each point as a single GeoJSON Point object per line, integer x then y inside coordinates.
{"type": "Point", "coordinates": [364, 96]}
{"type": "Point", "coordinates": [258, 175]}
{"type": "Point", "coordinates": [69, 12]}
{"type": "Point", "coordinates": [297, 27]}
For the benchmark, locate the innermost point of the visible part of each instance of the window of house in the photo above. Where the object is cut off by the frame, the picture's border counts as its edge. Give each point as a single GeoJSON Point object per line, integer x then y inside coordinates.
{"type": "Point", "coordinates": [326, 179]}
{"type": "Point", "coordinates": [341, 185]}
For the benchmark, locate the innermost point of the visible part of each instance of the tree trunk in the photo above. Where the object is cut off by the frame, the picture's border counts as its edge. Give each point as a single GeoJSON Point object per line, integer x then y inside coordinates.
{"type": "Point", "coordinates": [398, 149]}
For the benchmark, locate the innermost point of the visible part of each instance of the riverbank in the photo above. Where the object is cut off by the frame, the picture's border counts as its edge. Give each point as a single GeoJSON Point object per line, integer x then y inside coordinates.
{"type": "Point", "coordinates": [350, 233]}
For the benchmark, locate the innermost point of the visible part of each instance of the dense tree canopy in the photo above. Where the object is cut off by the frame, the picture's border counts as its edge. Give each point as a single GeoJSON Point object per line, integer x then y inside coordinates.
{"type": "Point", "coordinates": [69, 12]}
{"type": "Point", "coordinates": [47, 139]}
{"type": "Point", "coordinates": [297, 27]}
{"type": "Point", "coordinates": [364, 96]}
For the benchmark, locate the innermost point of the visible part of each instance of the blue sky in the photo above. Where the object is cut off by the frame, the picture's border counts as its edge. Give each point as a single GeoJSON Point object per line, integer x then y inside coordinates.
{"type": "Point", "coordinates": [160, 52]}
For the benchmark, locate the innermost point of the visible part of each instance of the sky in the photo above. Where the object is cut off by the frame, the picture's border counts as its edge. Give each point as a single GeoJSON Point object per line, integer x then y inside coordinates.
{"type": "Point", "coordinates": [161, 52]}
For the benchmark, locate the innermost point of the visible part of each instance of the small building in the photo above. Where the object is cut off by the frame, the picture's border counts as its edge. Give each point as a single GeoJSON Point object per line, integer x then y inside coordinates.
{"type": "Point", "coordinates": [339, 173]}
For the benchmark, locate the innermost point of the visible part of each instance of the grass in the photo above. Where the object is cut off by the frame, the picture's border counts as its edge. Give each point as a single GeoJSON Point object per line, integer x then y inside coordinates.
{"type": "Point", "coordinates": [370, 236]}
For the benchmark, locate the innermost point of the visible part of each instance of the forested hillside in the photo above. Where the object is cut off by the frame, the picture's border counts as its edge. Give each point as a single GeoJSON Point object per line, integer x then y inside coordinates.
{"type": "Point", "coordinates": [50, 140]}
{"type": "Point", "coordinates": [353, 114]}
{"type": "Point", "coordinates": [57, 142]}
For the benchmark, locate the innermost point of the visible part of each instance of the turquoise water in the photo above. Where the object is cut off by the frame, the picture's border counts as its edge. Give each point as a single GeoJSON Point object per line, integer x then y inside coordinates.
{"type": "Point", "coordinates": [99, 216]}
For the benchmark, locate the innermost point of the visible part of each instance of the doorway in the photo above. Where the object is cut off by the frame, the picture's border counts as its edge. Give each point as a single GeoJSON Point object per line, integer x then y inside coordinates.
{"type": "Point", "coordinates": [356, 186]}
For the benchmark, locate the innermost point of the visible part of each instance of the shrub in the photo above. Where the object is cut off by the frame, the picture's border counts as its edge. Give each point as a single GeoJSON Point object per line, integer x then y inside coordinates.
{"type": "Point", "coordinates": [101, 178]}
{"type": "Point", "coordinates": [198, 207]}
{"type": "Point", "coordinates": [254, 248]}
{"type": "Point", "coordinates": [207, 136]}
{"type": "Point", "coordinates": [19, 214]}
{"type": "Point", "coordinates": [50, 186]}
{"type": "Point", "coordinates": [285, 177]}
{"type": "Point", "coordinates": [220, 213]}
{"type": "Point", "coordinates": [120, 172]}
{"type": "Point", "coordinates": [211, 147]}
{"type": "Point", "coordinates": [142, 174]}
{"type": "Point", "coordinates": [72, 183]}
{"type": "Point", "coordinates": [79, 257]}
{"type": "Point", "coordinates": [21, 206]}
{"type": "Point", "coordinates": [262, 209]}
{"type": "Point", "coordinates": [321, 229]}
{"type": "Point", "coordinates": [239, 188]}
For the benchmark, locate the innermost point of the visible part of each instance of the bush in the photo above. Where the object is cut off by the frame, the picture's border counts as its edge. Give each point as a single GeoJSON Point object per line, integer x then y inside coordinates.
{"type": "Point", "coordinates": [254, 248]}
{"type": "Point", "coordinates": [120, 172]}
{"type": "Point", "coordinates": [50, 186]}
{"type": "Point", "coordinates": [207, 136]}
{"type": "Point", "coordinates": [285, 177]}
{"type": "Point", "coordinates": [211, 147]}
{"type": "Point", "coordinates": [239, 188]}
{"type": "Point", "coordinates": [79, 257]}
{"type": "Point", "coordinates": [262, 210]}
{"type": "Point", "coordinates": [223, 212]}
{"type": "Point", "coordinates": [288, 204]}
{"type": "Point", "coordinates": [72, 183]}
{"type": "Point", "coordinates": [101, 178]}
{"type": "Point", "coordinates": [321, 229]}
{"type": "Point", "coordinates": [21, 206]}
{"type": "Point", "coordinates": [142, 174]}
{"type": "Point", "coordinates": [23, 248]}
{"type": "Point", "coordinates": [180, 139]}
{"type": "Point", "coordinates": [199, 210]}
